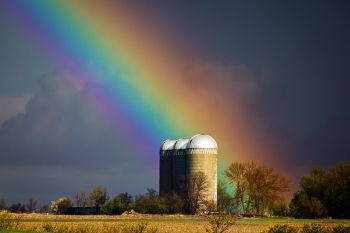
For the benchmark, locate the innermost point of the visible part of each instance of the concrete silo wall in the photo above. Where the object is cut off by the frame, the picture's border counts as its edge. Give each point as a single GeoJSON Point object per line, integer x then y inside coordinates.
{"type": "Point", "coordinates": [179, 171]}
{"type": "Point", "coordinates": [165, 172]}
{"type": "Point", "coordinates": [181, 159]}
{"type": "Point", "coordinates": [204, 160]}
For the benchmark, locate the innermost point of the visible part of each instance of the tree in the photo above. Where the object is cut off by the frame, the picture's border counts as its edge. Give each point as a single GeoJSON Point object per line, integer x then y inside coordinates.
{"type": "Point", "coordinates": [81, 199]}
{"type": "Point", "coordinates": [31, 205]}
{"type": "Point", "coordinates": [197, 186]}
{"type": "Point", "coordinates": [99, 195]}
{"type": "Point", "coordinates": [256, 186]}
{"type": "Point", "coordinates": [302, 206]}
{"type": "Point", "coordinates": [338, 191]}
{"type": "Point", "coordinates": [236, 174]}
{"type": "Point", "coordinates": [279, 208]}
{"type": "Point", "coordinates": [17, 208]}
{"type": "Point", "coordinates": [225, 200]}
{"type": "Point", "coordinates": [2, 204]}
{"type": "Point", "coordinates": [44, 208]}
{"type": "Point", "coordinates": [163, 204]}
{"type": "Point", "coordinates": [315, 184]}
{"type": "Point", "coordinates": [61, 205]}
{"type": "Point", "coordinates": [323, 192]}
{"type": "Point", "coordinates": [175, 204]}
{"type": "Point", "coordinates": [118, 204]}
{"type": "Point", "coordinates": [147, 203]}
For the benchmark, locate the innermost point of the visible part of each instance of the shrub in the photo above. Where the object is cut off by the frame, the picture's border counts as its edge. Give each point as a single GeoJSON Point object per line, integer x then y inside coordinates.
{"type": "Point", "coordinates": [219, 223]}
{"type": "Point", "coordinates": [118, 204]}
{"type": "Point", "coordinates": [48, 227]}
{"type": "Point", "coordinates": [314, 228]}
{"type": "Point", "coordinates": [141, 227]}
{"type": "Point", "coordinates": [8, 221]}
{"type": "Point", "coordinates": [61, 205]}
{"type": "Point", "coordinates": [282, 229]}
{"type": "Point", "coordinates": [341, 229]}
{"type": "Point", "coordinates": [309, 228]}
{"type": "Point", "coordinates": [302, 206]}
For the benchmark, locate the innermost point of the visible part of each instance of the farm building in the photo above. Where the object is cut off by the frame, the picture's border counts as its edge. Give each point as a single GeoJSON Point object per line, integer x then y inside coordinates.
{"type": "Point", "coordinates": [181, 159]}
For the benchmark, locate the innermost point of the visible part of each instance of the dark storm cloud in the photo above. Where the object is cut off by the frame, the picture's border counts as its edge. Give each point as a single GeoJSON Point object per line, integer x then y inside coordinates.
{"type": "Point", "coordinates": [61, 140]}
{"type": "Point", "coordinates": [306, 118]}
{"type": "Point", "coordinates": [287, 62]}
{"type": "Point", "coordinates": [12, 105]}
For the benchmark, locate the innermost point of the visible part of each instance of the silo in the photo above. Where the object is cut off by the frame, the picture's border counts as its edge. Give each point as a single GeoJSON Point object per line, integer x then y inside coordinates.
{"type": "Point", "coordinates": [179, 166]}
{"type": "Point", "coordinates": [166, 167]}
{"type": "Point", "coordinates": [202, 157]}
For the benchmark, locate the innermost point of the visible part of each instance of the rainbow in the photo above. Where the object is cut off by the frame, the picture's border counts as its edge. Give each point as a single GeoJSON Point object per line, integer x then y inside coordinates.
{"type": "Point", "coordinates": [109, 42]}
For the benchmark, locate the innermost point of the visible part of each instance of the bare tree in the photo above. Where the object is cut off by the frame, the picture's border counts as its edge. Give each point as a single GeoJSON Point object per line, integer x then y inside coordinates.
{"type": "Point", "coordinates": [45, 208]}
{"type": "Point", "coordinates": [99, 195]}
{"type": "Point", "coordinates": [81, 199]}
{"type": "Point", "coordinates": [236, 176]}
{"type": "Point", "coordinates": [2, 204]}
{"type": "Point", "coordinates": [257, 186]}
{"type": "Point", "coordinates": [31, 205]}
{"type": "Point", "coordinates": [17, 208]}
{"type": "Point", "coordinates": [197, 186]}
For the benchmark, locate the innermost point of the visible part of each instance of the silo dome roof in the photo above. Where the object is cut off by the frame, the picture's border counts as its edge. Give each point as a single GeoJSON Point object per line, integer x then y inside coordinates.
{"type": "Point", "coordinates": [202, 141]}
{"type": "Point", "coordinates": [168, 144]}
{"type": "Point", "coordinates": [181, 144]}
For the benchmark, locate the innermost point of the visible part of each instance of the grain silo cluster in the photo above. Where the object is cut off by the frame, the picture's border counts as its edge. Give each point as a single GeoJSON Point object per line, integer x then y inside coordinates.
{"type": "Point", "coordinates": [181, 159]}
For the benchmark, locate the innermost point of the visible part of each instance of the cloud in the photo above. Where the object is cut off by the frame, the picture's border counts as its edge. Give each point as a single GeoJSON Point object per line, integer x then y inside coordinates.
{"type": "Point", "coordinates": [218, 87]}
{"type": "Point", "coordinates": [226, 82]}
{"type": "Point", "coordinates": [207, 75]}
{"type": "Point", "coordinates": [61, 142]}
{"type": "Point", "coordinates": [12, 105]}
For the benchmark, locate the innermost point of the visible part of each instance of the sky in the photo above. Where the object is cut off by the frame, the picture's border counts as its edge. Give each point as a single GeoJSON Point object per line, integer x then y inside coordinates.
{"type": "Point", "coordinates": [88, 92]}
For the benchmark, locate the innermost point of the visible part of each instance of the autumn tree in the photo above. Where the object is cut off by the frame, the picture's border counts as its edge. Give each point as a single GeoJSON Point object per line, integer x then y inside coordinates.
{"type": "Point", "coordinates": [61, 205]}
{"type": "Point", "coordinates": [99, 195]}
{"type": "Point", "coordinates": [256, 186]}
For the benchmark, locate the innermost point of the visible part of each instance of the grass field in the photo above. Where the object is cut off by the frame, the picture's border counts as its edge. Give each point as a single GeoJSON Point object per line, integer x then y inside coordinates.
{"type": "Point", "coordinates": [164, 223]}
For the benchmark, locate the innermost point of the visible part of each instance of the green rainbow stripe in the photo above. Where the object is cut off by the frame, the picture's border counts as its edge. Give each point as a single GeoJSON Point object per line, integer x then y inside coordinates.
{"type": "Point", "coordinates": [144, 98]}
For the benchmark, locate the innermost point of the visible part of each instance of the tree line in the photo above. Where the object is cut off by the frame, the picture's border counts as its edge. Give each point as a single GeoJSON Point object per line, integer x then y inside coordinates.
{"type": "Point", "coordinates": [323, 193]}
{"type": "Point", "coordinates": [246, 188]}
{"type": "Point", "coordinates": [29, 207]}
{"type": "Point", "coordinates": [190, 202]}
